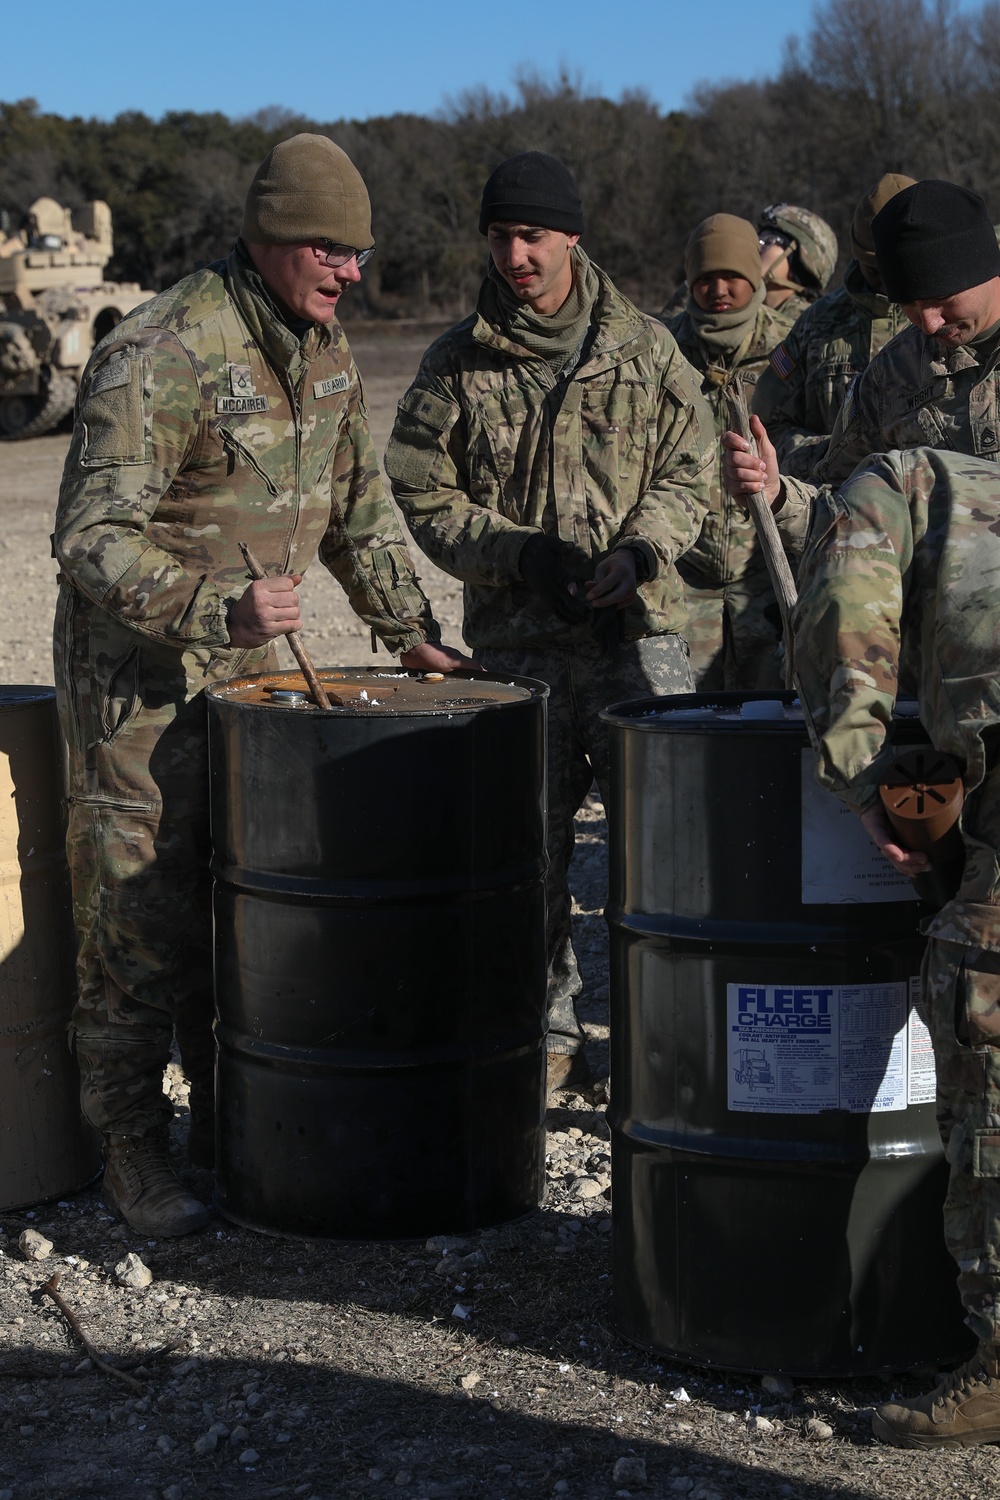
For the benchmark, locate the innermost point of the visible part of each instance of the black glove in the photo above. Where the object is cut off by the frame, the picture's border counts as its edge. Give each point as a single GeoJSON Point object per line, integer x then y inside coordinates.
{"type": "Point", "coordinates": [545, 573]}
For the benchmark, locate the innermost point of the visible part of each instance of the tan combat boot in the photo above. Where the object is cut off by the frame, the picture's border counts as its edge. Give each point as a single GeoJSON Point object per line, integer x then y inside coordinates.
{"type": "Point", "coordinates": [140, 1184]}
{"type": "Point", "coordinates": [564, 1070]}
{"type": "Point", "coordinates": [959, 1413]}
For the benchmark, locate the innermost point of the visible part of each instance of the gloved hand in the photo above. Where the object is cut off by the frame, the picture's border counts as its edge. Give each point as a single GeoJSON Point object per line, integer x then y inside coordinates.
{"type": "Point", "coordinates": [545, 573]}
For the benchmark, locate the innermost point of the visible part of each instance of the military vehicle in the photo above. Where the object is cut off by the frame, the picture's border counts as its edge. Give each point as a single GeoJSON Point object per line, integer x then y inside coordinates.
{"type": "Point", "coordinates": [54, 307]}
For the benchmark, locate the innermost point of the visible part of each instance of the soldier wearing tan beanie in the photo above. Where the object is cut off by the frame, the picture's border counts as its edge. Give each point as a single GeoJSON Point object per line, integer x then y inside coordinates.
{"type": "Point", "coordinates": [727, 330]}
{"type": "Point", "coordinates": [251, 427]}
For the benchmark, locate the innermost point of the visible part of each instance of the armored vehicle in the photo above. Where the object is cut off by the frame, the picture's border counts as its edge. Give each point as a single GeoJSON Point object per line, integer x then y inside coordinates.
{"type": "Point", "coordinates": [54, 307]}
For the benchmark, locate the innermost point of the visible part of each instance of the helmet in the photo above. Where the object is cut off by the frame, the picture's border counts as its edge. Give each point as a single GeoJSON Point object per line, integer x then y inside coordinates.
{"type": "Point", "coordinates": [814, 244]}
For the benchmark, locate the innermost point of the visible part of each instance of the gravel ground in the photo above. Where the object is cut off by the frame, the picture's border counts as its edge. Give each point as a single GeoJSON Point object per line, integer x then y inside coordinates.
{"type": "Point", "coordinates": [483, 1366]}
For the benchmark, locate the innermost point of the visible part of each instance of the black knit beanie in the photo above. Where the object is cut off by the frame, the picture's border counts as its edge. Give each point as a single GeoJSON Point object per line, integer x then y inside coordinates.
{"type": "Point", "coordinates": [932, 240]}
{"type": "Point", "coordinates": [533, 188]}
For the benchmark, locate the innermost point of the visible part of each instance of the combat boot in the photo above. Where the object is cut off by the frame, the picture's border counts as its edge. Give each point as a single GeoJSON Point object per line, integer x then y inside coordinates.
{"type": "Point", "coordinates": [140, 1184]}
{"type": "Point", "coordinates": [959, 1413]}
{"type": "Point", "coordinates": [564, 1070]}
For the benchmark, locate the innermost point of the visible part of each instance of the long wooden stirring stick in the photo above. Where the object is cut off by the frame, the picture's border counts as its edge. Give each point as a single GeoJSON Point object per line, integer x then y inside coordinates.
{"type": "Point", "coordinates": [319, 692]}
{"type": "Point", "coordinates": [782, 580]}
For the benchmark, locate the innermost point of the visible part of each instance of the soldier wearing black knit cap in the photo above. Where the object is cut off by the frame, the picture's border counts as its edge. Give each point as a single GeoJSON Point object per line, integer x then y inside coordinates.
{"type": "Point", "coordinates": [553, 454]}
{"type": "Point", "coordinates": [937, 383]}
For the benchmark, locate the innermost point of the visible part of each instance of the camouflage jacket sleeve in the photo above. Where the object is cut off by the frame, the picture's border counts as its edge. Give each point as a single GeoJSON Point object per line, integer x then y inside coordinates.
{"type": "Point", "coordinates": [847, 627]}
{"type": "Point", "coordinates": [427, 465]}
{"type": "Point", "coordinates": [857, 432]}
{"type": "Point", "coordinates": [667, 518]}
{"type": "Point", "coordinates": [781, 400]}
{"type": "Point", "coordinates": [364, 547]}
{"type": "Point", "coordinates": [137, 415]}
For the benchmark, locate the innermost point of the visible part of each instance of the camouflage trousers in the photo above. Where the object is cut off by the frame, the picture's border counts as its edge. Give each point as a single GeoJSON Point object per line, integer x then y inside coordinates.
{"type": "Point", "coordinates": [138, 849]}
{"type": "Point", "coordinates": [734, 633]}
{"type": "Point", "coordinates": [582, 680]}
{"type": "Point", "coordinates": [961, 991]}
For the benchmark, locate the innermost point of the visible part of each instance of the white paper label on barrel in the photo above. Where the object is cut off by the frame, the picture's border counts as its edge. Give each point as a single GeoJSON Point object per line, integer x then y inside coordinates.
{"type": "Point", "coordinates": [799, 1049]}
{"type": "Point", "coordinates": [840, 864]}
{"type": "Point", "coordinates": [921, 1083]}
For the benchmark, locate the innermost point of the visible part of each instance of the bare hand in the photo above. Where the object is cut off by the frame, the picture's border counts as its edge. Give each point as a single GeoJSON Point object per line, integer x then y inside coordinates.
{"type": "Point", "coordinates": [909, 862]}
{"type": "Point", "coordinates": [614, 580]}
{"type": "Point", "coordinates": [743, 474]}
{"type": "Point", "coordinates": [269, 608]}
{"type": "Point", "coordinates": [429, 656]}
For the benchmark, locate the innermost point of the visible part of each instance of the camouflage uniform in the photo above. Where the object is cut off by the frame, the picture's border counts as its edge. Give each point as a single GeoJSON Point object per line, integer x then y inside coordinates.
{"type": "Point", "coordinates": [734, 629]}
{"type": "Point", "coordinates": [488, 449]}
{"type": "Point", "coordinates": [202, 421]}
{"type": "Point", "coordinates": [898, 589]}
{"type": "Point", "coordinates": [791, 310]}
{"type": "Point", "coordinates": [799, 395]}
{"type": "Point", "coordinates": [918, 392]}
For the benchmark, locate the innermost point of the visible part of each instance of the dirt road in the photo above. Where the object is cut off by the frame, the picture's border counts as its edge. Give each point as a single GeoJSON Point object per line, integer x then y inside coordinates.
{"type": "Point", "coordinates": [484, 1367]}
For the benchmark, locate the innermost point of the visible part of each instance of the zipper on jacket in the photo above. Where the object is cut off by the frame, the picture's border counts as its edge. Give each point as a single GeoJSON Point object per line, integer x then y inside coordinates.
{"type": "Point", "coordinates": [240, 451]}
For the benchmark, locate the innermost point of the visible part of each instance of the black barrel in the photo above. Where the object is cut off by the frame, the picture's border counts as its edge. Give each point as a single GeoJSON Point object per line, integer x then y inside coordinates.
{"type": "Point", "coordinates": [778, 1176]}
{"type": "Point", "coordinates": [380, 952]}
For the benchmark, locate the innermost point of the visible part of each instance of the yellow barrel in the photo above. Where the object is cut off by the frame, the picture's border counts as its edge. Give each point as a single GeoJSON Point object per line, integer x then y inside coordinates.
{"type": "Point", "coordinates": [45, 1148]}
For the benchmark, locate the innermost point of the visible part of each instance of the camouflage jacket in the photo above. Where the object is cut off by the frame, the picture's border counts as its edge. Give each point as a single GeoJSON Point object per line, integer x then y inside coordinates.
{"type": "Point", "coordinates": [916, 393]}
{"type": "Point", "coordinates": [487, 450]}
{"type": "Point", "coordinates": [799, 395]}
{"type": "Point", "coordinates": [202, 422]}
{"type": "Point", "coordinates": [897, 589]}
{"type": "Point", "coordinates": [727, 548]}
{"type": "Point", "coordinates": [791, 310]}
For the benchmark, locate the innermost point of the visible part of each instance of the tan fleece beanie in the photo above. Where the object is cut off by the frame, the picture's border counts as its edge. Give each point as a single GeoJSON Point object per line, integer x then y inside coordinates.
{"type": "Point", "coordinates": [306, 188]}
{"type": "Point", "coordinates": [875, 199]}
{"type": "Point", "coordinates": [723, 243]}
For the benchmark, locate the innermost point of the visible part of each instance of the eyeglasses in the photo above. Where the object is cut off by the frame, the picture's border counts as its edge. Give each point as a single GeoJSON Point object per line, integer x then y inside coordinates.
{"type": "Point", "coordinates": [768, 237]}
{"type": "Point", "coordinates": [339, 255]}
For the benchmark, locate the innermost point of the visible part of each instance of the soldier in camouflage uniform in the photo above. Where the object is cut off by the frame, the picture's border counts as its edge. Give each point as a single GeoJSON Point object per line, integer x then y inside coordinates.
{"type": "Point", "coordinates": [227, 409]}
{"type": "Point", "coordinates": [798, 251]}
{"type": "Point", "coordinates": [552, 454]}
{"type": "Point", "coordinates": [726, 331]}
{"type": "Point", "coordinates": [898, 589]}
{"type": "Point", "coordinates": [938, 382]}
{"type": "Point", "coordinates": [799, 395]}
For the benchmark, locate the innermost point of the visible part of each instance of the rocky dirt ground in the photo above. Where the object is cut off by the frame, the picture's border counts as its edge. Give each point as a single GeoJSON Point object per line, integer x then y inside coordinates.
{"type": "Point", "coordinates": [486, 1366]}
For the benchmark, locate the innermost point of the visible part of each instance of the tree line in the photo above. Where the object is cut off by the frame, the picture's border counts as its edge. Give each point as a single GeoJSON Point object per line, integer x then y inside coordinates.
{"type": "Point", "coordinates": [876, 85]}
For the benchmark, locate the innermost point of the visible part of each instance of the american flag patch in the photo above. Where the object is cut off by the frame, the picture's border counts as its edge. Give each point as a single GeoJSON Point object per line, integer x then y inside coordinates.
{"type": "Point", "coordinates": [781, 362]}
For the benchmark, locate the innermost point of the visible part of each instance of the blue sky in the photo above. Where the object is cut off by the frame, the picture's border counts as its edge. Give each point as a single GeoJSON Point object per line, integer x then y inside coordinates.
{"type": "Point", "coordinates": [332, 61]}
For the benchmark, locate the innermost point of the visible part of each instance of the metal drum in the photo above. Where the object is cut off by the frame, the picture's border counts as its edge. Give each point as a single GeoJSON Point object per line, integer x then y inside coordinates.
{"type": "Point", "coordinates": [778, 1176]}
{"type": "Point", "coordinates": [45, 1147]}
{"type": "Point", "coordinates": [380, 952]}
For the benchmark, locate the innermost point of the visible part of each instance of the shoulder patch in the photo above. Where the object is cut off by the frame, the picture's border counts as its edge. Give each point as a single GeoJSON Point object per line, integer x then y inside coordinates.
{"type": "Point", "coordinates": [332, 386]}
{"type": "Point", "coordinates": [115, 371]}
{"type": "Point", "coordinates": [782, 362]}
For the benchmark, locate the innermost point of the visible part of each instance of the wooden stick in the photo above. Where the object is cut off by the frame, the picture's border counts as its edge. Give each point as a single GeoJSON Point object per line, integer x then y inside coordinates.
{"type": "Point", "coordinates": [759, 507]}
{"type": "Point", "coordinates": [49, 1290]}
{"type": "Point", "coordinates": [295, 641]}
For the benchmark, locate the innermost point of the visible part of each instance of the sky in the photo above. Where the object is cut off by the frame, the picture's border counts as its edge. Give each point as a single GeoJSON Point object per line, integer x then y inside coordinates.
{"type": "Point", "coordinates": [339, 61]}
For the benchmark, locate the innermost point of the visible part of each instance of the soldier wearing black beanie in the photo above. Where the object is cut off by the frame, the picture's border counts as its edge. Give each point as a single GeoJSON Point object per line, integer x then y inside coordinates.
{"type": "Point", "coordinates": [932, 240]}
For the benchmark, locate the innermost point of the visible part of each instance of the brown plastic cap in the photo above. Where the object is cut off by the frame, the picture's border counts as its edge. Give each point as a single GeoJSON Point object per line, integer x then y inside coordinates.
{"type": "Point", "coordinates": [922, 796]}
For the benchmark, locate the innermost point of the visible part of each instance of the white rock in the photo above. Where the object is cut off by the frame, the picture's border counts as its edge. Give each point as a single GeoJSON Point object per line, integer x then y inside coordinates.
{"type": "Point", "coordinates": [629, 1470]}
{"type": "Point", "coordinates": [207, 1443]}
{"type": "Point", "coordinates": [470, 1381]}
{"type": "Point", "coordinates": [249, 1456]}
{"type": "Point", "coordinates": [817, 1431]}
{"type": "Point", "coordinates": [133, 1272]}
{"type": "Point", "coordinates": [165, 1443]}
{"type": "Point", "coordinates": [459, 1311]}
{"type": "Point", "coordinates": [587, 1187]}
{"type": "Point", "coordinates": [680, 1395]}
{"type": "Point", "coordinates": [34, 1246]}
{"type": "Point", "coordinates": [761, 1424]}
{"type": "Point", "coordinates": [778, 1385]}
